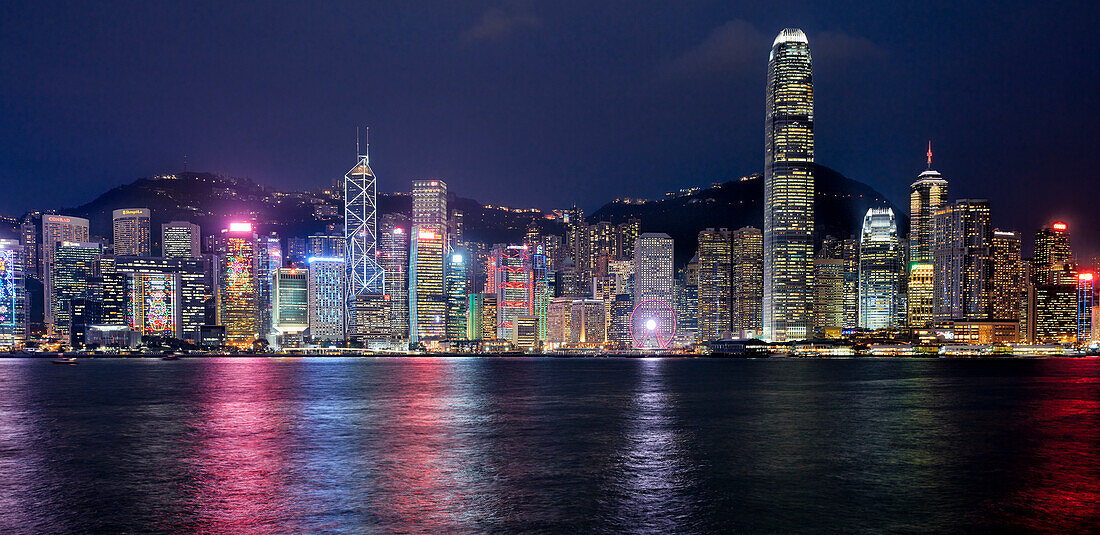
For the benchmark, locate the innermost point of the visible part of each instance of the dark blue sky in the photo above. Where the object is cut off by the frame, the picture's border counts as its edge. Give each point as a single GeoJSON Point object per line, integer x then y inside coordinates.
{"type": "Point", "coordinates": [547, 103]}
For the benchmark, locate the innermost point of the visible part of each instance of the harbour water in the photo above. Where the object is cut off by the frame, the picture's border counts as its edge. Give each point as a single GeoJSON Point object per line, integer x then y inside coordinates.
{"type": "Point", "coordinates": [460, 445]}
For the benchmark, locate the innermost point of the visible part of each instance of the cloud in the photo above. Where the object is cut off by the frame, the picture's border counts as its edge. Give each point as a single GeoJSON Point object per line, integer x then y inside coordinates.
{"type": "Point", "coordinates": [729, 48]}
{"type": "Point", "coordinates": [737, 45]}
{"type": "Point", "coordinates": [500, 22]}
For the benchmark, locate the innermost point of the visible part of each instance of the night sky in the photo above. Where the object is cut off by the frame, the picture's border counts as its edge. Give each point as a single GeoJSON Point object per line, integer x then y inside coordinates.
{"type": "Point", "coordinates": [549, 103]}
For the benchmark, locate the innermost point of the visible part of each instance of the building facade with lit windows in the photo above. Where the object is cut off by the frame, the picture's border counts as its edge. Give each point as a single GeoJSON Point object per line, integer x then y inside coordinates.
{"type": "Point", "coordinates": [56, 229]}
{"type": "Point", "coordinates": [13, 297]}
{"type": "Point", "coordinates": [587, 324]}
{"type": "Point", "coordinates": [74, 276]}
{"type": "Point", "coordinates": [511, 275]}
{"type": "Point", "coordinates": [180, 239]}
{"type": "Point", "coordinates": [456, 295]}
{"type": "Point", "coordinates": [155, 305]}
{"type": "Point", "coordinates": [920, 295]}
{"type": "Point", "coordinates": [828, 294]}
{"type": "Point", "coordinates": [1086, 301]}
{"type": "Point", "coordinates": [1052, 250]}
{"type": "Point", "coordinates": [654, 276]}
{"type": "Point", "coordinates": [747, 282]}
{"type": "Point", "coordinates": [427, 296]}
{"type": "Point", "coordinates": [327, 293]}
{"type": "Point", "coordinates": [962, 261]}
{"type": "Point", "coordinates": [880, 271]}
{"type": "Point", "coordinates": [290, 308]}
{"type": "Point", "coordinates": [131, 231]}
{"type": "Point", "coordinates": [715, 301]}
{"type": "Point", "coordinates": [788, 190]}
{"type": "Point", "coordinates": [393, 249]}
{"type": "Point", "coordinates": [237, 296]}
{"type": "Point", "coordinates": [1007, 285]}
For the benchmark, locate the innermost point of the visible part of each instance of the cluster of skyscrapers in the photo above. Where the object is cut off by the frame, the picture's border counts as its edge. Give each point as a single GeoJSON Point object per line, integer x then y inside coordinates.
{"type": "Point", "coordinates": [413, 279]}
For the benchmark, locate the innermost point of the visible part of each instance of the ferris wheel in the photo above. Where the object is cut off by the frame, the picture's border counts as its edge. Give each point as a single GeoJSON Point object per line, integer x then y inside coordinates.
{"type": "Point", "coordinates": [652, 325]}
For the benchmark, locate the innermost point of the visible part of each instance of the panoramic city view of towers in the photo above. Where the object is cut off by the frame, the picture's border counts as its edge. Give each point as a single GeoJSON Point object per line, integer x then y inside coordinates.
{"type": "Point", "coordinates": [414, 281]}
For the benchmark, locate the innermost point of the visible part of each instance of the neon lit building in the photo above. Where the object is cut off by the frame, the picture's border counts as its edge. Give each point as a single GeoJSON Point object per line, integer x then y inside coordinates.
{"type": "Point", "coordinates": [365, 276]}
{"type": "Point", "coordinates": [57, 229]}
{"type": "Point", "coordinates": [131, 231]}
{"type": "Point", "coordinates": [73, 276]}
{"type": "Point", "coordinates": [427, 299]}
{"type": "Point", "coordinates": [393, 247]}
{"type": "Point", "coordinates": [456, 296]}
{"type": "Point", "coordinates": [269, 258]}
{"type": "Point", "coordinates": [880, 271]}
{"type": "Point", "coordinates": [180, 239]}
{"type": "Point", "coordinates": [155, 304]}
{"type": "Point", "coordinates": [1086, 300]}
{"type": "Point", "coordinates": [513, 282]}
{"type": "Point", "coordinates": [291, 301]}
{"type": "Point", "coordinates": [327, 291]}
{"type": "Point", "coordinates": [237, 296]}
{"type": "Point", "coordinates": [13, 297]}
{"type": "Point", "coordinates": [542, 293]}
{"type": "Point", "coordinates": [788, 189]}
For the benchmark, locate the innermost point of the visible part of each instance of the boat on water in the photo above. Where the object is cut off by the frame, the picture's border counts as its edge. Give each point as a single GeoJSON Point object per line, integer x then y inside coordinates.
{"type": "Point", "coordinates": [64, 360]}
{"type": "Point", "coordinates": [170, 357]}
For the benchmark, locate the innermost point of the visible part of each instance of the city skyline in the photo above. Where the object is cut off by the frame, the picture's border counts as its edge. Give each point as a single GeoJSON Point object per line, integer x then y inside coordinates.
{"type": "Point", "coordinates": [702, 72]}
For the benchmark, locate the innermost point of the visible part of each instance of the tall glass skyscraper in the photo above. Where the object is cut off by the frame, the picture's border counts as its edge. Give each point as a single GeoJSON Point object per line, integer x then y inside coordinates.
{"type": "Point", "coordinates": [131, 231]}
{"type": "Point", "coordinates": [788, 189]}
{"type": "Point", "coordinates": [880, 270]}
{"type": "Point", "coordinates": [927, 195]}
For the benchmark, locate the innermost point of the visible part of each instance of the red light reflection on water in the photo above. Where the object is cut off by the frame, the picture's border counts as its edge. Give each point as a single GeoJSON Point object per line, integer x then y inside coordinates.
{"type": "Point", "coordinates": [240, 485]}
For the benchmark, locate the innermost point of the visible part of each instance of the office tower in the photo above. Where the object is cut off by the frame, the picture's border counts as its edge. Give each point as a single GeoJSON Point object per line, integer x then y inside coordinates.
{"type": "Point", "coordinates": [928, 195]}
{"type": "Point", "coordinates": [653, 273]}
{"type": "Point", "coordinates": [269, 258]}
{"type": "Point", "coordinates": [297, 251]}
{"type": "Point", "coordinates": [747, 282]}
{"type": "Point", "coordinates": [291, 302]}
{"type": "Point", "coordinates": [587, 324]}
{"type": "Point", "coordinates": [1055, 313]}
{"type": "Point", "coordinates": [455, 279]}
{"type": "Point", "coordinates": [237, 291]}
{"type": "Point", "coordinates": [155, 310]}
{"type": "Point", "coordinates": [430, 204]}
{"type": "Point", "coordinates": [962, 261]}
{"type": "Point", "coordinates": [56, 229]}
{"type": "Point", "coordinates": [558, 318]}
{"type": "Point", "coordinates": [525, 334]}
{"type": "Point", "coordinates": [131, 231]}
{"type": "Point", "coordinates": [1007, 286]}
{"type": "Point", "coordinates": [541, 292]}
{"type": "Point", "coordinates": [393, 249]}
{"type": "Point", "coordinates": [628, 233]}
{"type": "Point", "coordinates": [579, 244]}
{"type": "Point", "coordinates": [880, 270]}
{"type": "Point", "coordinates": [920, 295]}
{"type": "Point", "coordinates": [327, 292]}
{"type": "Point", "coordinates": [828, 294]}
{"type": "Point", "coordinates": [474, 304]}
{"type": "Point", "coordinates": [372, 318]}
{"type": "Point", "coordinates": [326, 246]}
{"type": "Point", "coordinates": [618, 323]}
{"type": "Point", "coordinates": [180, 239]}
{"type": "Point", "coordinates": [555, 251]}
{"type": "Point", "coordinates": [13, 297]}
{"type": "Point", "coordinates": [72, 275]}
{"type": "Point", "coordinates": [28, 238]}
{"type": "Point", "coordinates": [1086, 299]}
{"type": "Point", "coordinates": [687, 307]}
{"type": "Point", "coordinates": [714, 272]}
{"type": "Point", "coordinates": [788, 189]}
{"type": "Point", "coordinates": [365, 276]}
{"type": "Point", "coordinates": [489, 316]}
{"type": "Point", "coordinates": [603, 238]}
{"type": "Point", "coordinates": [512, 278]}
{"type": "Point", "coordinates": [455, 228]}
{"type": "Point", "coordinates": [1052, 252]}
{"type": "Point", "coordinates": [427, 299]}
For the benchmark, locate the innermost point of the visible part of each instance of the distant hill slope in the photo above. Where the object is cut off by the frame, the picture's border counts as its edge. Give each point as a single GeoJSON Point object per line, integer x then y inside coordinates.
{"type": "Point", "coordinates": [212, 201]}
{"type": "Point", "coordinates": [839, 205]}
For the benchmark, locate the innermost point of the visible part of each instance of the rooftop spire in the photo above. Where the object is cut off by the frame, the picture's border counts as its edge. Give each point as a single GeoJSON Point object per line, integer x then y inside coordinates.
{"type": "Point", "coordinates": [929, 154]}
{"type": "Point", "coordinates": [366, 138]}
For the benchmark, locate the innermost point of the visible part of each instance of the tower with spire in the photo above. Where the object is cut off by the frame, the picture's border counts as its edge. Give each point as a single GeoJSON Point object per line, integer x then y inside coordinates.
{"type": "Point", "coordinates": [928, 194]}
{"type": "Point", "coordinates": [365, 275]}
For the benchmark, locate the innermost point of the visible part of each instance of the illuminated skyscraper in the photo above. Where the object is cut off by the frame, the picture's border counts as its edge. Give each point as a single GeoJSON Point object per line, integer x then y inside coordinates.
{"type": "Point", "coordinates": [654, 276]}
{"type": "Point", "coordinates": [155, 309]}
{"type": "Point", "coordinates": [1008, 284]}
{"type": "Point", "coordinates": [72, 276]}
{"type": "Point", "coordinates": [456, 296]}
{"type": "Point", "coordinates": [747, 281]}
{"type": "Point", "coordinates": [587, 324]}
{"type": "Point", "coordinates": [365, 276]}
{"type": "Point", "coordinates": [880, 270]}
{"type": "Point", "coordinates": [57, 229]}
{"type": "Point", "coordinates": [1086, 299]}
{"type": "Point", "coordinates": [962, 261]}
{"type": "Point", "coordinates": [237, 289]}
{"type": "Point", "coordinates": [715, 302]}
{"type": "Point", "coordinates": [788, 189]}
{"type": "Point", "coordinates": [427, 298]}
{"type": "Point", "coordinates": [290, 309]}
{"type": "Point", "coordinates": [269, 258]}
{"type": "Point", "coordinates": [928, 195]}
{"type": "Point", "coordinates": [28, 237]}
{"type": "Point", "coordinates": [512, 279]}
{"type": "Point", "coordinates": [180, 239]}
{"type": "Point", "coordinates": [430, 204]}
{"type": "Point", "coordinates": [131, 231]}
{"type": "Point", "coordinates": [828, 293]}
{"type": "Point", "coordinates": [393, 247]}
{"type": "Point", "coordinates": [327, 292]}
{"type": "Point", "coordinates": [1052, 252]}
{"type": "Point", "coordinates": [13, 297]}
{"type": "Point", "coordinates": [540, 278]}
{"type": "Point", "coordinates": [920, 295]}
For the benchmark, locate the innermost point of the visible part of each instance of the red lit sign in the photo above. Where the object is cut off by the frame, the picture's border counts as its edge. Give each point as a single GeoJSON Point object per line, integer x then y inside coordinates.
{"type": "Point", "coordinates": [1059, 226]}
